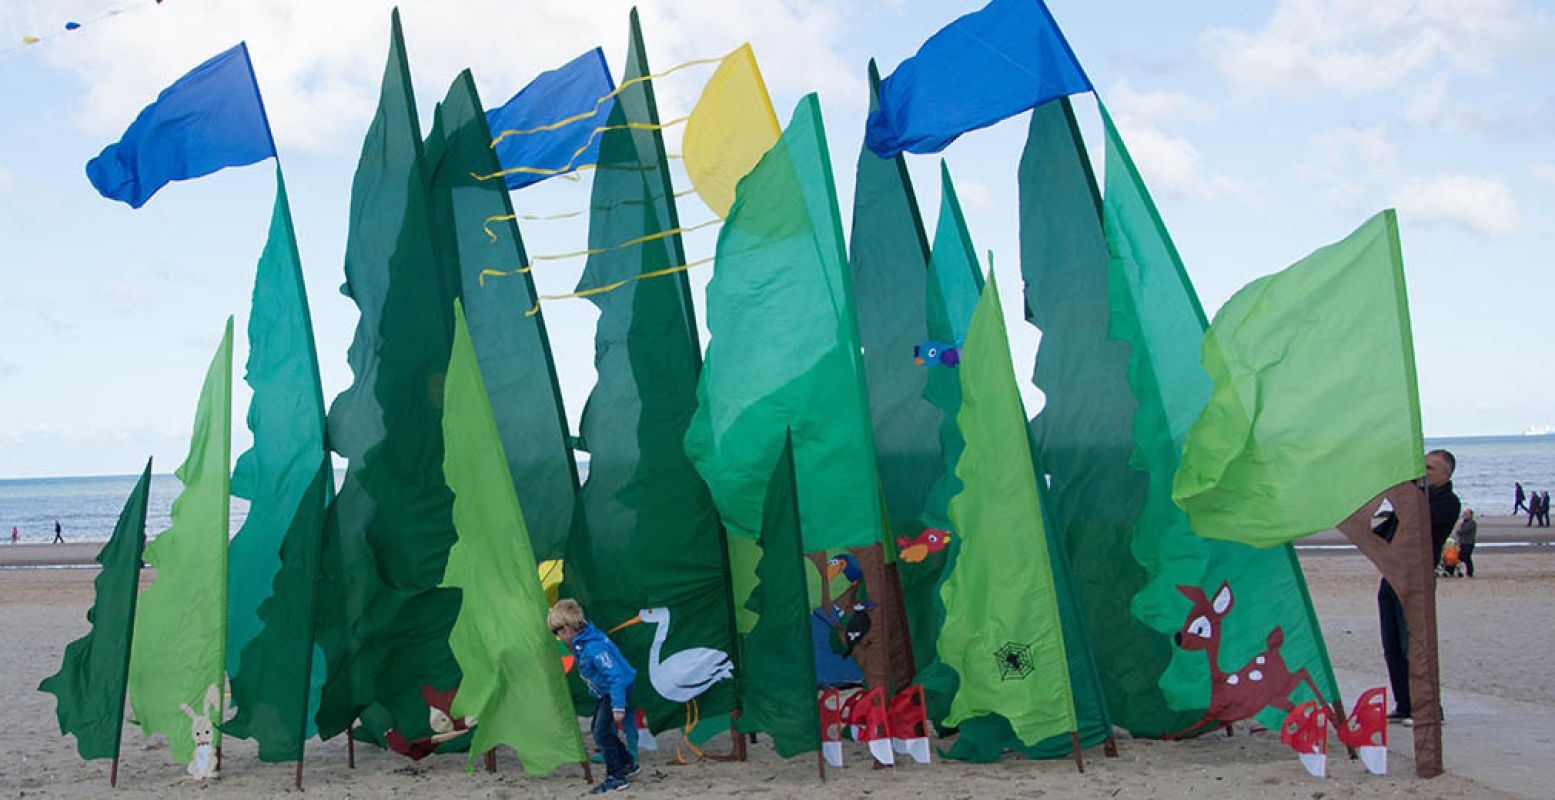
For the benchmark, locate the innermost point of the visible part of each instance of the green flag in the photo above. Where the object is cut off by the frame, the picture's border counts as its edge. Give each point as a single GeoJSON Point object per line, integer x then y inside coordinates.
{"type": "Point", "coordinates": [288, 480]}
{"type": "Point", "coordinates": [651, 538]}
{"type": "Point", "coordinates": [1154, 308]}
{"type": "Point", "coordinates": [176, 665]}
{"type": "Point", "coordinates": [1002, 633]}
{"type": "Point", "coordinates": [513, 681]}
{"type": "Point", "coordinates": [1315, 408]}
{"type": "Point", "coordinates": [951, 293]}
{"type": "Point", "coordinates": [383, 622]}
{"type": "Point", "coordinates": [777, 691]}
{"type": "Point", "coordinates": [1083, 435]}
{"type": "Point", "coordinates": [889, 258]}
{"type": "Point", "coordinates": [784, 352]}
{"type": "Point", "coordinates": [513, 347]}
{"type": "Point", "coordinates": [89, 687]}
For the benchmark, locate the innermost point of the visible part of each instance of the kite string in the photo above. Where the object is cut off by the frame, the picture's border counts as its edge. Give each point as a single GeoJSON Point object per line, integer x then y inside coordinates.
{"type": "Point", "coordinates": [594, 251]}
{"type": "Point", "coordinates": [601, 101]}
{"type": "Point", "coordinates": [568, 167]}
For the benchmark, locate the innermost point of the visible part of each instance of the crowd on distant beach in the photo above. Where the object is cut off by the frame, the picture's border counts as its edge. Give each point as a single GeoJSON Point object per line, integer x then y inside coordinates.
{"type": "Point", "coordinates": [1535, 504]}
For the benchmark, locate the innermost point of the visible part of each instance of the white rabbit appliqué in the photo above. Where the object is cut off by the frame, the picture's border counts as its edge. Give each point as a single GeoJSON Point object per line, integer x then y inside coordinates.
{"type": "Point", "coordinates": [203, 764]}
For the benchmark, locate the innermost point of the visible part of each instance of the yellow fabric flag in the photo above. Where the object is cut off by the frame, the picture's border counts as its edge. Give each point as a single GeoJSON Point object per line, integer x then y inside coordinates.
{"type": "Point", "coordinates": [730, 129]}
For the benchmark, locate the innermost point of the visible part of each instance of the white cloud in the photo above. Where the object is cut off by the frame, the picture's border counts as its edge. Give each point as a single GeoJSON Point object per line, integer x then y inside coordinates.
{"type": "Point", "coordinates": [1424, 107]}
{"type": "Point", "coordinates": [1361, 46]}
{"type": "Point", "coordinates": [1168, 162]}
{"type": "Point", "coordinates": [1349, 164]}
{"type": "Point", "coordinates": [1481, 204]}
{"type": "Point", "coordinates": [1157, 108]}
{"type": "Point", "coordinates": [319, 64]}
{"type": "Point", "coordinates": [1544, 171]}
{"type": "Point", "coordinates": [974, 195]}
{"type": "Point", "coordinates": [122, 297]}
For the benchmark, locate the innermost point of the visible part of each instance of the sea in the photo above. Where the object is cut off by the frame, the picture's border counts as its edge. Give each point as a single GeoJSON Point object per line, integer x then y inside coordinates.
{"type": "Point", "coordinates": [88, 507]}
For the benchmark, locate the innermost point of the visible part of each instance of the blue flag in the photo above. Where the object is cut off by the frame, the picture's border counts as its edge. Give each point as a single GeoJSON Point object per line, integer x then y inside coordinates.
{"type": "Point", "coordinates": [984, 67]}
{"type": "Point", "coordinates": [564, 104]}
{"type": "Point", "coordinates": [209, 119]}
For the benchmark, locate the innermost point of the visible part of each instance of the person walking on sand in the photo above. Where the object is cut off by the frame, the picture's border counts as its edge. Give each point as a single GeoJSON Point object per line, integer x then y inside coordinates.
{"type": "Point", "coordinates": [1520, 499]}
{"type": "Point", "coordinates": [1468, 531]}
{"type": "Point", "coordinates": [14, 534]}
{"type": "Point", "coordinates": [59, 537]}
{"type": "Point", "coordinates": [1532, 508]}
{"type": "Point", "coordinates": [1544, 508]}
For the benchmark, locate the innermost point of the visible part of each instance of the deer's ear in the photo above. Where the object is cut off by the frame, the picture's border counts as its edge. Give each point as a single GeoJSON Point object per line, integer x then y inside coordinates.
{"type": "Point", "coordinates": [1222, 602]}
{"type": "Point", "coordinates": [1193, 593]}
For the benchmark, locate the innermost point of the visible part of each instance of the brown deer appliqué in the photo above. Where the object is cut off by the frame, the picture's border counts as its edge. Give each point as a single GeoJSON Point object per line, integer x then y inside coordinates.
{"type": "Point", "coordinates": [1234, 696]}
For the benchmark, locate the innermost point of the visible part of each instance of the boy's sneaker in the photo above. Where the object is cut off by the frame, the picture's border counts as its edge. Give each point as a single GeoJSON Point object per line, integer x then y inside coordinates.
{"type": "Point", "coordinates": [609, 785]}
{"type": "Point", "coordinates": [633, 770]}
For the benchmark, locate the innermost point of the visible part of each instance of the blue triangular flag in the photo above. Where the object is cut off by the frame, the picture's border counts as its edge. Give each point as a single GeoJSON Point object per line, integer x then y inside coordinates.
{"type": "Point", "coordinates": [985, 67]}
{"type": "Point", "coordinates": [209, 119]}
{"type": "Point", "coordinates": [568, 91]}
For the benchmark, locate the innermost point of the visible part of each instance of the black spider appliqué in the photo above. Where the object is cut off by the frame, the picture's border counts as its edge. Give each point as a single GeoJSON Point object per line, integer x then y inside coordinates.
{"type": "Point", "coordinates": [1014, 661]}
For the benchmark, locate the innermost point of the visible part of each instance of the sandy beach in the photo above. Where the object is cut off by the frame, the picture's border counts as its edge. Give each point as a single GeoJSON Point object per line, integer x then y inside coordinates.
{"type": "Point", "coordinates": [1494, 648]}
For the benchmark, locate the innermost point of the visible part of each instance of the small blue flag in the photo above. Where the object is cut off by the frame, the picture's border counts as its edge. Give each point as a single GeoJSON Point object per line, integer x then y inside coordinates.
{"type": "Point", "coordinates": [209, 119]}
{"type": "Point", "coordinates": [554, 102]}
{"type": "Point", "coordinates": [984, 67]}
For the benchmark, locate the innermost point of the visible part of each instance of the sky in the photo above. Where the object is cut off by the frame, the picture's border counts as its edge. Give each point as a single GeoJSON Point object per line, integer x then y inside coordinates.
{"type": "Point", "coordinates": [1264, 130]}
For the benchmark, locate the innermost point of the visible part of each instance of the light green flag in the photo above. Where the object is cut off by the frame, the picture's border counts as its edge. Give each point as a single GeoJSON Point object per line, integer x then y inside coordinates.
{"type": "Point", "coordinates": [176, 669]}
{"type": "Point", "coordinates": [513, 682]}
{"type": "Point", "coordinates": [1002, 632]}
{"type": "Point", "coordinates": [785, 352]}
{"type": "Point", "coordinates": [1315, 408]}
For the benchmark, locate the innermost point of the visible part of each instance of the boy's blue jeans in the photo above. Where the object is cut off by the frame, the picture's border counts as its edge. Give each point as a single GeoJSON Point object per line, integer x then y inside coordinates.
{"type": "Point", "coordinates": [610, 745]}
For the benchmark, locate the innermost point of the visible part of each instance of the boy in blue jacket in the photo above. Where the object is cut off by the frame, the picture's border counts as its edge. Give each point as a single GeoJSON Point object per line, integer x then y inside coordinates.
{"type": "Point", "coordinates": [609, 679]}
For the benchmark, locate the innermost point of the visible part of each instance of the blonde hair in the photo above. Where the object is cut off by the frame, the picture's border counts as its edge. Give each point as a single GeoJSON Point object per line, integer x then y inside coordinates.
{"type": "Point", "coordinates": [566, 614]}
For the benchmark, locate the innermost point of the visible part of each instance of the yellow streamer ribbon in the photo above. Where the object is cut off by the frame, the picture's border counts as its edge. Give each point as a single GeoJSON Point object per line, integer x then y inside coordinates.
{"type": "Point", "coordinates": [568, 167]}
{"type": "Point", "coordinates": [568, 214]}
{"type": "Point", "coordinates": [594, 251]}
{"type": "Point", "coordinates": [610, 287]}
{"type": "Point", "coordinates": [601, 101]}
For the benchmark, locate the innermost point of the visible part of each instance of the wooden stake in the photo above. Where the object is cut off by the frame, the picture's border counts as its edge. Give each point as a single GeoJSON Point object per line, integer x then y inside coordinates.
{"type": "Point", "coordinates": [491, 760]}
{"type": "Point", "coordinates": [820, 764]}
{"type": "Point", "coordinates": [1079, 761]}
{"type": "Point", "coordinates": [588, 774]}
{"type": "Point", "coordinates": [113, 775]}
{"type": "Point", "coordinates": [218, 758]}
{"type": "Point", "coordinates": [351, 746]}
{"type": "Point", "coordinates": [1110, 747]}
{"type": "Point", "coordinates": [298, 782]}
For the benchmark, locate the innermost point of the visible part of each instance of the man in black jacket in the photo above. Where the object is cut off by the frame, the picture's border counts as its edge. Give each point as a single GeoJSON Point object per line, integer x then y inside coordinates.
{"type": "Point", "coordinates": [1445, 506]}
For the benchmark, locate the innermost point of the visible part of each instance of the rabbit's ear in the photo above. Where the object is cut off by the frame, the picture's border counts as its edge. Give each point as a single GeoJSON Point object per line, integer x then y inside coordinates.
{"type": "Point", "coordinates": [212, 699]}
{"type": "Point", "coordinates": [187, 710]}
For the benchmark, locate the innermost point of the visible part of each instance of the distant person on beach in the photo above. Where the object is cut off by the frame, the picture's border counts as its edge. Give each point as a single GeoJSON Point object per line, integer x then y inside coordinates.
{"type": "Point", "coordinates": [1544, 508]}
{"type": "Point", "coordinates": [1468, 531]}
{"type": "Point", "coordinates": [1445, 507]}
{"type": "Point", "coordinates": [59, 537]}
{"type": "Point", "coordinates": [1532, 508]}
{"type": "Point", "coordinates": [14, 534]}
{"type": "Point", "coordinates": [1521, 499]}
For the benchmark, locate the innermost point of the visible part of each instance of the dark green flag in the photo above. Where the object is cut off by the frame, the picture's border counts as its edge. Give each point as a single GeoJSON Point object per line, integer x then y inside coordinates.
{"type": "Point", "coordinates": [513, 348]}
{"type": "Point", "coordinates": [777, 691]}
{"type": "Point", "coordinates": [287, 477]}
{"type": "Point", "coordinates": [383, 621]}
{"type": "Point", "coordinates": [652, 538]}
{"type": "Point", "coordinates": [92, 677]}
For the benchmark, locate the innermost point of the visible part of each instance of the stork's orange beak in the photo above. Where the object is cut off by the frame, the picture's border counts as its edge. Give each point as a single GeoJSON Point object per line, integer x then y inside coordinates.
{"type": "Point", "coordinates": [832, 572]}
{"type": "Point", "coordinates": [918, 361]}
{"type": "Point", "coordinates": [626, 624]}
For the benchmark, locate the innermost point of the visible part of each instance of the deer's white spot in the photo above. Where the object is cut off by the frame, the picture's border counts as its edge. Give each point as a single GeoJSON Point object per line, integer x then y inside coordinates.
{"type": "Point", "coordinates": [1232, 680]}
{"type": "Point", "coordinates": [1255, 675]}
{"type": "Point", "coordinates": [1258, 660]}
{"type": "Point", "coordinates": [1200, 627]}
